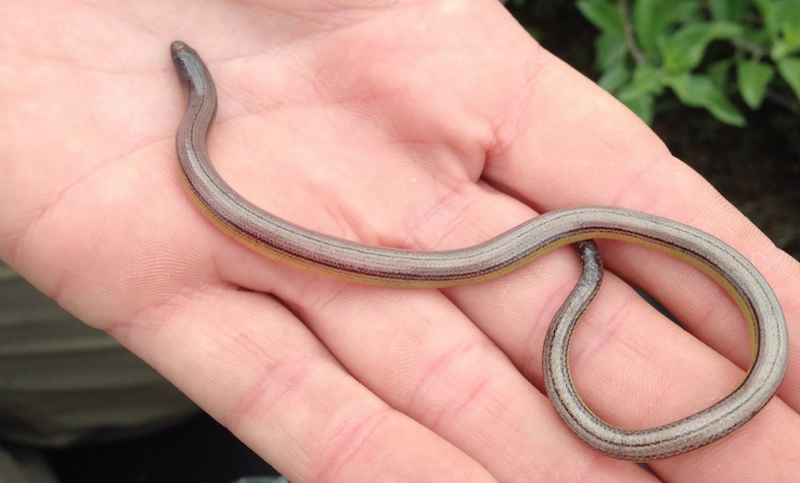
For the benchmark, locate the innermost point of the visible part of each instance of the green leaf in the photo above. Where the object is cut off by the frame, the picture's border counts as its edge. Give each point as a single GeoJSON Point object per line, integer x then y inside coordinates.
{"type": "Point", "coordinates": [647, 16]}
{"type": "Point", "coordinates": [646, 81]}
{"type": "Point", "coordinates": [700, 91]}
{"type": "Point", "coordinates": [680, 11]}
{"type": "Point", "coordinates": [790, 71]}
{"type": "Point", "coordinates": [603, 14]}
{"type": "Point", "coordinates": [611, 50]}
{"type": "Point", "coordinates": [770, 15]}
{"type": "Point", "coordinates": [753, 78]}
{"type": "Point", "coordinates": [754, 37]}
{"type": "Point", "coordinates": [643, 106]}
{"type": "Point", "coordinates": [614, 77]}
{"type": "Point", "coordinates": [640, 94]}
{"type": "Point", "coordinates": [779, 50]}
{"type": "Point", "coordinates": [535, 32]}
{"type": "Point", "coordinates": [719, 71]}
{"type": "Point", "coordinates": [685, 49]}
{"type": "Point", "coordinates": [730, 10]}
{"type": "Point", "coordinates": [789, 14]}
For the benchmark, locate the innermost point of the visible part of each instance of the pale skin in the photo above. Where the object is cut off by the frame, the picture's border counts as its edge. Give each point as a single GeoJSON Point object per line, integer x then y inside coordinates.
{"type": "Point", "coordinates": [425, 125]}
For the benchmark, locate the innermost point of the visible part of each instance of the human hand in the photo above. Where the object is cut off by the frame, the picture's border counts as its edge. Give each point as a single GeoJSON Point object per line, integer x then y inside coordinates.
{"type": "Point", "coordinates": [428, 125]}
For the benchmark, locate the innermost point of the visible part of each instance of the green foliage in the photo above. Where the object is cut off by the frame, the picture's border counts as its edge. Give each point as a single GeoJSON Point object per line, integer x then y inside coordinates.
{"type": "Point", "coordinates": [705, 51]}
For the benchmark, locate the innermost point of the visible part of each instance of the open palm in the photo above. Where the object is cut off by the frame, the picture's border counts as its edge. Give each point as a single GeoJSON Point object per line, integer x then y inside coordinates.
{"type": "Point", "coordinates": [431, 124]}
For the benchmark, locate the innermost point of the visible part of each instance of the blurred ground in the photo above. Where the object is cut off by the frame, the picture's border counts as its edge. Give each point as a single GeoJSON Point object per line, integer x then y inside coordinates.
{"type": "Point", "coordinates": [197, 451]}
